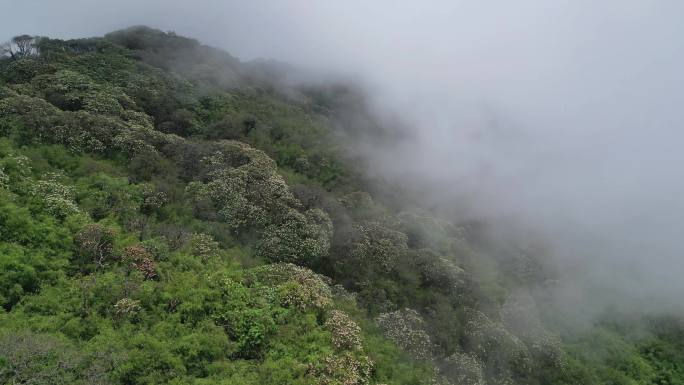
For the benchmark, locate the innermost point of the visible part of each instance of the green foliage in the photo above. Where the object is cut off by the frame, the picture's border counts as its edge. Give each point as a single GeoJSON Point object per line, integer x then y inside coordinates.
{"type": "Point", "coordinates": [149, 235]}
{"type": "Point", "coordinates": [30, 358]}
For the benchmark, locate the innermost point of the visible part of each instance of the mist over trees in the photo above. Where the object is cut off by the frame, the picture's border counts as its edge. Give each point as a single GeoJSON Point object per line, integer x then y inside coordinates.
{"type": "Point", "coordinates": [171, 214]}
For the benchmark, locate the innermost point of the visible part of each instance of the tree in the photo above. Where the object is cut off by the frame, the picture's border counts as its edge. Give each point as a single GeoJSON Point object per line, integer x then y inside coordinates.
{"type": "Point", "coordinates": [406, 328]}
{"type": "Point", "coordinates": [299, 238]}
{"type": "Point", "coordinates": [25, 45]}
{"type": "Point", "coordinates": [95, 244]}
{"type": "Point", "coordinates": [203, 245]}
{"type": "Point", "coordinates": [57, 198]}
{"type": "Point", "coordinates": [378, 247]}
{"type": "Point", "coordinates": [245, 188]}
{"type": "Point", "coordinates": [504, 354]}
{"type": "Point", "coordinates": [298, 287]}
{"type": "Point", "coordinates": [140, 259]}
{"type": "Point", "coordinates": [346, 334]}
{"type": "Point", "coordinates": [464, 368]}
{"type": "Point", "coordinates": [19, 47]}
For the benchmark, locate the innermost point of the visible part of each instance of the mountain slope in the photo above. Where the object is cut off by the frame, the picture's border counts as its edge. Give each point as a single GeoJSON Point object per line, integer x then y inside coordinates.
{"type": "Point", "coordinates": [169, 214]}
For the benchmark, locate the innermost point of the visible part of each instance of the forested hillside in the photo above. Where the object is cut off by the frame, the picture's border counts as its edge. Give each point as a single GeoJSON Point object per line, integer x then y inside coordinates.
{"type": "Point", "coordinates": [170, 214]}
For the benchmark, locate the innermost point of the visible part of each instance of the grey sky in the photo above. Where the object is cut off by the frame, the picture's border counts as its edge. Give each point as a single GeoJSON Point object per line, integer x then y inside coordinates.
{"type": "Point", "coordinates": [564, 115]}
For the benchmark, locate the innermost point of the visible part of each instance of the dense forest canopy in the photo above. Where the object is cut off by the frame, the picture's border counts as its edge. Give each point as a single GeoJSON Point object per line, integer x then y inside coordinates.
{"type": "Point", "coordinates": [170, 214]}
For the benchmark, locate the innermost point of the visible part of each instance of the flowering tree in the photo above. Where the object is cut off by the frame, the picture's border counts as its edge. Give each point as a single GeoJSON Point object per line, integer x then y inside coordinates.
{"type": "Point", "coordinates": [489, 341]}
{"type": "Point", "coordinates": [344, 369]}
{"type": "Point", "coordinates": [244, 186]}
{"type": "Point", "coordinates": [462, 369]}
{"type": "Point", "coordinates": [297, 286]}
{"type": "Point", "coordinates": [203, 245]}
{"type": "Point", "coordinates": [346, 334]}
{"type": "Point", "coordinates": [299, 238]}
{"type": "Point", "coordinates": [57, 197]}
{"type": "Point", "coordinates": [95, 244]}
{"type": "Point", "coordinates": [140, 259]}
{"type": "Point", "coordinates": [378, 246]}
{"type": "Point", "coordinates": [520, 315]}
{"type": "Point", "coordinates": [406, 328]}
{"type": "Point", "coordinates": [250, 196]}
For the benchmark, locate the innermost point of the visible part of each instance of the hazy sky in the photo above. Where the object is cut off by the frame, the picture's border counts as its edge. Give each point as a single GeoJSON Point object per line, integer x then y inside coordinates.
{"type": "Point", "coordinates": [566, 115]}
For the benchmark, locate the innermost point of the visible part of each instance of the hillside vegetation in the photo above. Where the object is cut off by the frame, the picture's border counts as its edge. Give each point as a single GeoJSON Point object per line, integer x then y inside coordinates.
{"type": "Point", "coordinates": [171, 215]}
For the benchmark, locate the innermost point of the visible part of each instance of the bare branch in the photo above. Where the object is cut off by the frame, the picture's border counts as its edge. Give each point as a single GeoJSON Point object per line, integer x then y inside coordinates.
{"type": "Point", "coordinates": [25, 45]}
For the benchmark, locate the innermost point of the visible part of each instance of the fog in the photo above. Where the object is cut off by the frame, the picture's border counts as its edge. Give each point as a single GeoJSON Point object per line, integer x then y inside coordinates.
{"type": "Point", "coordinates": [560, 118]}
